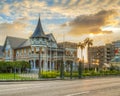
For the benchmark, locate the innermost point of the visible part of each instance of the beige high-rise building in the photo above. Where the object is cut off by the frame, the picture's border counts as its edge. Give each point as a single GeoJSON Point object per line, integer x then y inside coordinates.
{"type": "Point", "coordinates": [100, 55]}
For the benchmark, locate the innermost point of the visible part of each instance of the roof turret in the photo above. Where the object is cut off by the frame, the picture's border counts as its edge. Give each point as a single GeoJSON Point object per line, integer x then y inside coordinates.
{"type": "Point", "coordinates": [38, 31]}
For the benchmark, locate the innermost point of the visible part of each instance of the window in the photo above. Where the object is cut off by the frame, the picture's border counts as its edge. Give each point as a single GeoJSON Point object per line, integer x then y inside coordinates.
{"type": "Point", "coordinates": [5, 53]}
{"type": "Point", "coordinates": [8, 53]}
{"type": "Point", "coordinates": [34, 49]}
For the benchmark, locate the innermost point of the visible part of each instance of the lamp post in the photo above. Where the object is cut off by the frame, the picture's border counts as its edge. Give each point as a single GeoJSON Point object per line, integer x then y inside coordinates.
{"type": "Point", "coordinates": [62, 70]}
{"type": "Point", "coordinates": [39, 74]}
{"type": "Point", "coordinates": [50, 53]}
{"type": "Point", "coordinates": [62, 67]}
{"type": "Point", "coordinates": [80, 69]}
{"type": "Point", "coordinates": [80, 61]}
{"type": "Point", "coordinates": [62, 63]}
{"type": "Point", "coordinates": [39, 57]}
{"type": "Point", "coordinates": [71, 69]}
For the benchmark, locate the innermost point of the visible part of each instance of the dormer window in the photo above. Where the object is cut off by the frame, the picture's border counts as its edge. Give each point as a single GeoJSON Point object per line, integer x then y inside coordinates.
{"type": "Point", "coordinates": [37, 39]}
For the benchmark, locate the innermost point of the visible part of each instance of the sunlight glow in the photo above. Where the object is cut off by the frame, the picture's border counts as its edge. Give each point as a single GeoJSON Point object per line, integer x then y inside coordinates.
{"type": "Point", "coordinates": [91, 35]}
{"type": "Point", "coordinates": [84, 54]}
{"type": "Point", "coordinates": [110, 28]}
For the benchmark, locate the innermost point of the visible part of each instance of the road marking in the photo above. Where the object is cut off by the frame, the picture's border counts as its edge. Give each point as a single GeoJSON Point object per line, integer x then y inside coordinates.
{"type": "Point", "coordinates": [85, 92]}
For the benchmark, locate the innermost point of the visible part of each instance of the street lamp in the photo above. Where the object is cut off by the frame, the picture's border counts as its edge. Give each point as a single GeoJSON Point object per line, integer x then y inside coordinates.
{"type": "Point", "coordinates": [79, 63]}
{"type": "Point", "coordinates": [62, 66]}
{"type": "Point", "coordinates": [39, 57]}
{"type": "Point", "coordinates": [71, 69]}
{"type": "Point", "coordinates": [80, 69]}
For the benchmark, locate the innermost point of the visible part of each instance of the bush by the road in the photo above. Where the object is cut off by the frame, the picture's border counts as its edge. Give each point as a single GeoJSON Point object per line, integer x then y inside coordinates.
{"type": "Point", "coordinates": [55, 74]}
{"type": "Point", "coordinates": [101, 73]}
{"type": "Point", "coordinates": [10, 67]}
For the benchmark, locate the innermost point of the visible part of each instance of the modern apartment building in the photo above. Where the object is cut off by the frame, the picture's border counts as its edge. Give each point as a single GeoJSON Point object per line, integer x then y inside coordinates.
{"type": "Point", "coordinates": [103, 54]}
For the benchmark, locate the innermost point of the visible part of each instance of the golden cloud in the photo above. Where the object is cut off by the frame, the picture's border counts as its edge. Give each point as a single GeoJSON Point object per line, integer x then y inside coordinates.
{"type": "Point", "coordinates": [87, 24]}
{"type": "Point", "coordinates": [17, 29]}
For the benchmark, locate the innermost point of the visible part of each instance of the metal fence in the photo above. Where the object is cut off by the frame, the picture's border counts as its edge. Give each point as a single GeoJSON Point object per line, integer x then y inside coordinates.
{"type": "Point", "coordinates": [27, 74]}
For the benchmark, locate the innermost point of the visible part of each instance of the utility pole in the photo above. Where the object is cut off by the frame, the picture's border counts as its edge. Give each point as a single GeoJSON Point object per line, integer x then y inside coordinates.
{"type": "Point", "coordinates": [39, 74]}
{"type": "Point", "coordinates": [80, 69]}
{"type": "Point", "coordinates": [50, 53]}
{"type": "Point", "coordinates": [63, 59]}
{"type": "Point", "coordinates": [80, 61]}
{"type": "Point", "coordinates": [71, 69]}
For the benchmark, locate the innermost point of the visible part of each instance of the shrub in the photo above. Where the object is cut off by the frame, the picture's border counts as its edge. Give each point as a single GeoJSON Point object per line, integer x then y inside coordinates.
{"type": "Point", "coordinates": [9, 67]}
{"type": "Point", "coordinates": [48, 74]}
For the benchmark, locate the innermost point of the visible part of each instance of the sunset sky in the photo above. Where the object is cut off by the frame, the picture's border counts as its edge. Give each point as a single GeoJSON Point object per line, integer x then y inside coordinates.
{"type": "Point", "coordinates": [75, 19]}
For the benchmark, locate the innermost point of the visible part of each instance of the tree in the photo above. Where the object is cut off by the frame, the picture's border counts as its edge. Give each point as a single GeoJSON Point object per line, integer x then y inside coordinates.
{"type": "Point", "coordinates": [81, 46]}
{"type": "Point", "coordinates": [80, 68]}
{"type": "Point", "coordinates": [9, 67]}
{"type": "Point", "coordinates": [89, 43]}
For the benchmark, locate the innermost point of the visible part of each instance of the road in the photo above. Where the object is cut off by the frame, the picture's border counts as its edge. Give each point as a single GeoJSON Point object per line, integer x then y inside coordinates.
{"type": "Point", "coordinates": [109, 86]}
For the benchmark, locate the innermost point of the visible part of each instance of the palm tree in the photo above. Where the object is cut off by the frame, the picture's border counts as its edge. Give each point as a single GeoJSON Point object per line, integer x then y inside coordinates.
{"type": "Point", "coordinates": [89, 43]}
{"type": "Point", "coordinates": [81, 46]}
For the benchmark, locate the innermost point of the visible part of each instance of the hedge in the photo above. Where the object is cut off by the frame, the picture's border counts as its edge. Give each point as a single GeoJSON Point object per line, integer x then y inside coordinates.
{"type": "Point", "coordinates": [9, 67]}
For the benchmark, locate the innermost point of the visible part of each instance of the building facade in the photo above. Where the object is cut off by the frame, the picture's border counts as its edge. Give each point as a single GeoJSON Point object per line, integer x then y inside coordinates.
{"type": "Point", "coordinates": [1, 54]}
{"type": "Point", "coordinates": [96, 56]}
{"type": "Point", "coordinates": [116, 45]}
{"type": "Point", "coordinates": [102, 55]}
{"type": "Point", "coordinates": [40, 50]}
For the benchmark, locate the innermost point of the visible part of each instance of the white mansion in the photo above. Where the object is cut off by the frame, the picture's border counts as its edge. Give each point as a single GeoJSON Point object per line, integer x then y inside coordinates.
{"type": "Point", "coordinates": [41, 47]}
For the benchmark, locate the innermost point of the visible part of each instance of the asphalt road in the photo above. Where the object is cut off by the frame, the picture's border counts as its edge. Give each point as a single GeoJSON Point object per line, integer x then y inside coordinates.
{"type": "Point", "coordinates": [109, 86]}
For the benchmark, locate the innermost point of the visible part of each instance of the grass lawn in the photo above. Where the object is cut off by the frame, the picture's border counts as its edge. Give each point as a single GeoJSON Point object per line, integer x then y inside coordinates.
{"type": "Point", "coordinates": [12, 76]}
{"type": "Point", "coordinates": [8, 76]}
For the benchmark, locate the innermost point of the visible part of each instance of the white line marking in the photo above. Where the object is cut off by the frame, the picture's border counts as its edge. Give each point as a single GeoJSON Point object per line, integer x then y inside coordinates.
{"type": "Point", "coordinates": [85, 92]}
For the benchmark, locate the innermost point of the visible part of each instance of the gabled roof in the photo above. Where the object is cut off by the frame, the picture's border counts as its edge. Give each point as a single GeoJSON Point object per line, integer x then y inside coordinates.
{"type": "Point", "coordinates": [25, 44]}
{"type": "Point", "coordinates": [39, 30]}
{"type": "Point", "coordinates": [50, 36]}
{"type": "Point", "coordinates": [14, 42]}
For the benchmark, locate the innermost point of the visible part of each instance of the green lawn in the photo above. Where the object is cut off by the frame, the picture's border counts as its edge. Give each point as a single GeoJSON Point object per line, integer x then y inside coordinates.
{"type": "Point", "coordinates": [12, 76]}
{"type": "Point", "coordinates": [8, 76]}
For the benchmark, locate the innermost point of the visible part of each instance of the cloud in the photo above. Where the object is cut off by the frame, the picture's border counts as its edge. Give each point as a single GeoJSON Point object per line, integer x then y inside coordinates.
{"type": "Point", "coordinates": [73, 8]}
{"type": "Point", "coordinates": [86, 24]}
{"type": "Point", "coordinates": [16, 29]}
{"type": "Point", "coordinates": [89, 16]}
{"type": "Point", "coordinates": [24, 8]}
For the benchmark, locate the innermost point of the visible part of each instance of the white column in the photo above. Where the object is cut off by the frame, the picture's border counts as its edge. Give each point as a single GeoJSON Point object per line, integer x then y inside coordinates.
{"type": "Point", "coordinates": [46, 60]}
{"type": "Point", "coordinates": [31, 63]}
{"type": "Point", "coordinates": [50, 66]}
{"type": "Point", "coordinates": [74, 66]}
{"type": "Point", "coordinates": [64, 65]}
{"type": "Point", "coordinates": [45, 66]}
{"type": "Point", "coordinates": [53, 66]}
{"type": "Point", "coordinates": [34, 64]}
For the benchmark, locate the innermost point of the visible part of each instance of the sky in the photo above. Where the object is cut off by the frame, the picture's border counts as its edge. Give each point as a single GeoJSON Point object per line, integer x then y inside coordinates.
{"type": "Point", "coordinates": [68, 20]}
